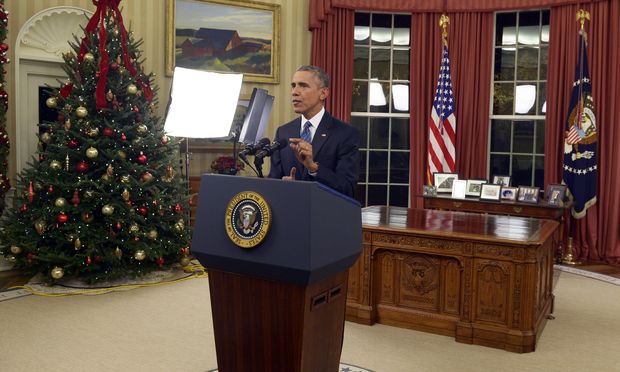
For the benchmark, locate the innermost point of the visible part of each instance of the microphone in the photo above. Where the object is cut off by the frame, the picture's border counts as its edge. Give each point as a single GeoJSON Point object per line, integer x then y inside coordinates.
{"type": "Point", "coordinates": [268, 150]}
{"type": "Point", "coordinates": [252, 148]}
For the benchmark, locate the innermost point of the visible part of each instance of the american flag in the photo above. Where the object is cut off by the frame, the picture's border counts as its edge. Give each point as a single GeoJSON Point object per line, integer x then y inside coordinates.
{"type": "Point", "coordinates": [442, 124]}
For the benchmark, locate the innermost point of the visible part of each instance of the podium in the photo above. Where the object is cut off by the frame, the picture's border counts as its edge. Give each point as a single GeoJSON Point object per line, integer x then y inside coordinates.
{"type": "Point", "coordinates": [279, 305]}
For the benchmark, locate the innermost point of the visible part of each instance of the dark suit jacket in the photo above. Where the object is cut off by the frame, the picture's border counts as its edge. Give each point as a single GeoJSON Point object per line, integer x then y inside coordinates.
{"type": "Point", "coordinates": [334, 146]}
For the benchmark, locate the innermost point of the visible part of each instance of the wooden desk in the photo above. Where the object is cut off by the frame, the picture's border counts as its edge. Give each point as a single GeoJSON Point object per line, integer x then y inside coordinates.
{"type": "Point", "coordinates": [482, 278]}
{"type": "Point", "coordinates": [540, 210]}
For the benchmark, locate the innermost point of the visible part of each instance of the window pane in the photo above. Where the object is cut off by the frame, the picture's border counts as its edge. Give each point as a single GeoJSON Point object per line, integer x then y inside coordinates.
{"type": "Point", "coordinates": [361, 123]}
{"type": "Point", "coordinates": [503, 96]}
{"type": "Point", "coordinates": [360, 96]}
{"type": "Point", "coordinates": [500, 135]}
{"type": "Point", "coordinates": [402, 25]}
{"type": "Point", "coordinates": [505, 29]}
{"type": "Point", "coordinates": [377, 195]}
{"type": "Point", "coordinates": [380, 64]}
{"type": "Point", "coordinates": [360, 63]}
{"type": "Point", "coordinates": [504, 64]}
{"type": "Point", "coordinates": [523, 141]}
{"type": "Point", "coordinates": [529, 28]}
{"type": "Point", "coordinates": [544, 57]}
{"type": "Point", "coordinates": [542, 99]}
{"type": "Point", "coordinates": [400, 98]}
{"type": "Point", "coordinates": [525, 99]}
{"type": "Point", "coordinates": [362, 28]}
{"type": "Point", "coordinates": [381, 30]}
{"type": "Point", "coordinates": [499, 165]}
{"type": "Point", "coordinates": [400, 67]}
{"type": "Point", "coordinates": [399, 196]}
{"type": "Point", "coordinates": [540, 137]}
{"type": "Point", "coordinates": [363, 168]}
{"type": "Point", "coordinates": [379, 133]}
{"type": "Point", "coordinates": [539, 172]}
{"type": "Point", "coordinates": [522, 170]}
{"type": "Point", "coordinates": [377, 166]}
{"type": "Point", "coordinates": [379, 96]}
{"type": "Point", "coordinates": [544, 37]}
{"type": "Point", "coordinates": [399, 167]}
{"type": "Point", "coordinates": [527, 63]}
{"type": "Point", "coordinates": [360, 194]}
{"type": "Point", "coordinates": [400, 134]}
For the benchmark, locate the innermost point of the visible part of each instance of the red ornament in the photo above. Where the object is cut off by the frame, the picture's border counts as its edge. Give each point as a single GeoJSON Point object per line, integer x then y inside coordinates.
{"type": "Point", "coordinates": [119, 226]}
{"type": "Point", "coordinates": [30, 193]}
{"type": "Point", "coordinates": [136, 109]}
{"type": "Point", "coordinates": [164, 140]}
{"type": "Point", "coordinates": [123, 137]}
{"type": "Point", "coordinates": [160, 261]}
{"type": "Point", "coordinates": [89, 260]}
{"type": "Point", "coordinates": [50, 189]}
{"type": "Point", "coordinates": [82, 167]}
{"type": "Point", "coordinates": [142, 158]}
{"type": "Point", "coordinates": [178, 208]}
{"type": "Point", "coordinates": [147, 176]}
{"type": "Point", "coordinates": [62, 218]}
{"type": "Point", "coordinates": [129, 203]}
{"type": "Point", "coordinates": [29, 257]}
{"type": "Point", "coordinates": [108, 132]}
{"type": "Point", "coordinates": [61, 118]}
{"type": "Point", "coordinates": [143, 211]}
{"type": "Point", "coordinates": [24, 208]}
{"type": "Point", "coordinates": [41, 157]}
{"type": "Point", "coordinates": [191, 202]}
{"type": "Point", "coordinates": [75, 199]}
{"type": "Point", "coordinates": [114, 65]}
{"type": "Point", "coordinates": [73, 143]}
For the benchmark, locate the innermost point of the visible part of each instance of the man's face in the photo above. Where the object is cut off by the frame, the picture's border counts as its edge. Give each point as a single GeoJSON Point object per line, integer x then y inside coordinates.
{"type": "Point", "coordinates": [307, 95]}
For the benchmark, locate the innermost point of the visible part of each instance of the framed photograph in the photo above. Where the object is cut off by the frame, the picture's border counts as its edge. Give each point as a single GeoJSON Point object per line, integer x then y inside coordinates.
{"type": "Point", "coordinates": [490, 191]}
{"type": "Point", "coordinates": [556, 194]}
{"type": "Point", "coordinates": [459, 188]}
{"type": "Point", "coordinates": [474, 187]}
{"type": "Point", "coordinates": [443, 181]}
{"type": "Point", "coordinates": [224, 36]}
{"type": "Point", "coordinates": [501, 180]}
{"type": "Point", "coordinates": [528, 194]}
{"type": "Point", "coordinates": [429, 190]}
{"type": "Point", "coordinates": [509, 193]}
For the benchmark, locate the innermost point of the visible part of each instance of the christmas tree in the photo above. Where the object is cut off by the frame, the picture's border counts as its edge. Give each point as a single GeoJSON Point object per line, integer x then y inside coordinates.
{"type": "Point", "coordinates": [4, 138]}
{"type": "Point", "coordinates": [102, 200]}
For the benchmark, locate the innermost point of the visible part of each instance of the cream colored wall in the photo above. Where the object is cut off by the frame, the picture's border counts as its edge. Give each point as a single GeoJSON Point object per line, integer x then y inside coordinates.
{"type": "Point", "coordinates": [148, 21]}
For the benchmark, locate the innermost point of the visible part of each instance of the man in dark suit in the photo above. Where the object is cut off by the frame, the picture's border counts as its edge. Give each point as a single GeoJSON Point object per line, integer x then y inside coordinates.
{"type": "Point", "coordinates": [321, 147]}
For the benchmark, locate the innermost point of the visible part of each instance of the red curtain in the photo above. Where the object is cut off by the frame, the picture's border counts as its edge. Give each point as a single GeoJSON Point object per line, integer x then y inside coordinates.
{"type": "Point", "coordinates": [332, 49]}
{"type": "Point", "coordinates": [592, 240]}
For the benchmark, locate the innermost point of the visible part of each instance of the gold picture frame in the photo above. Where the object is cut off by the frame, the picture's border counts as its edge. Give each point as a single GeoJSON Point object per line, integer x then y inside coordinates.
{"type": "Point", "coordinates": [244, 37]}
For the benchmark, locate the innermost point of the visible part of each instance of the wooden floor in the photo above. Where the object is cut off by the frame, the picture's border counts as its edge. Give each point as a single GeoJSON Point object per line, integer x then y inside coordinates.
{"type": "Point", "coordinates": [13, 278]}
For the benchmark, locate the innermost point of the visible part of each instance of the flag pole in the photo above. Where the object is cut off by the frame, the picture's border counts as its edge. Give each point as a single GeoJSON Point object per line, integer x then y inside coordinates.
{"type": "Point", "coordinates": [581, 17]}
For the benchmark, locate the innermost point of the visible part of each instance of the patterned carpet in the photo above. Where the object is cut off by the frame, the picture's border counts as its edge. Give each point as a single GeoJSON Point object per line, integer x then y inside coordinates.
{"type": "Point", "coordinates": [343, 368]}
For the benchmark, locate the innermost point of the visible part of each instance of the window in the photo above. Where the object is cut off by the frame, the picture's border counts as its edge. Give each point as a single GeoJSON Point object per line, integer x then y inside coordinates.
{"type": "Point", "coordinates": [517, 129]}
{"type": "Point", "coordinates": [380, 107]}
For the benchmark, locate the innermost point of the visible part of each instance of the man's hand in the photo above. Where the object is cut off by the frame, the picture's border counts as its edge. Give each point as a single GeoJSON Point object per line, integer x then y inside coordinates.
{"type": "Point", "coordinates": [292, 175]}
{"type": "Point", "coordinates": [303, 153]}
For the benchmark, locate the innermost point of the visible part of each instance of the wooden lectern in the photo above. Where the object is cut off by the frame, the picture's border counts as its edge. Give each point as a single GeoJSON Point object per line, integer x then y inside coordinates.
{"type": "Point", "coordinates": [278, 306]}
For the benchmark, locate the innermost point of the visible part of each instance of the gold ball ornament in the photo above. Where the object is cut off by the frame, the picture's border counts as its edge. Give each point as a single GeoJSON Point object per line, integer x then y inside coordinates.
{"type": "Point", "coordinates": [92, 153]}
{"type": "Point", "coordinates": [152, 234]}
{"type": "Point", "coordinates": [132, 89]}
{"type": "Point", "coordinates": [179, 227]}
{"type": "Point", "coordinates": [40, 226]}
{"type": "Point", "coordinates": [57, 272]}
{"type": "Point", "coordinates": [46, 137]}
{"type": "Point", "coordinates": [15, 249]}
{"type": "Point", "coordinates": [81, 112]}
{"type": "Point", "coordinates": [11, 258]}
{"type": "Point", "coordinates": [121, 154]}
{"type": "Point", "coordinates": [140, 255]}
{"type": "Point", "coordinates": [184, 261]}
{"type": "Point", "coordinates": [142, 129]}
{"type": "Point", "coordinates": [51, 102]}
{"type": "Point", "coordinates": [107, 209]}
{"type": "Point", "coordinates": [55, 165]}
{"type": "Point", "coordinates": [60, 202]}
{"type": "Point", "coordinates": [89, 57]}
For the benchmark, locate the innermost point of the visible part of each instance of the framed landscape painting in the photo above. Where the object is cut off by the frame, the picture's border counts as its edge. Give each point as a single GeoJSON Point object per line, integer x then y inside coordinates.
{"type": "Point", "coordinates": [224, 36]}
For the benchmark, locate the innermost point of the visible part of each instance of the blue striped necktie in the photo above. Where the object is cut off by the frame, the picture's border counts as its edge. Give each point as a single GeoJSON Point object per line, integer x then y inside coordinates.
{"type": "Point", "coordinates": [305, 134]}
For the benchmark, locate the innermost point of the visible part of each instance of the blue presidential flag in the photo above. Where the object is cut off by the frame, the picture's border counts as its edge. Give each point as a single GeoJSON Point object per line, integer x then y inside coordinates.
{"type": "Point", "coordinates": [581, 138]}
